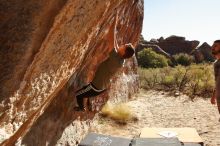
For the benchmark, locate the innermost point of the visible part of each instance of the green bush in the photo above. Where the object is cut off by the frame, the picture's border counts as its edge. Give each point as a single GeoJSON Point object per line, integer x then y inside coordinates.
{"type": "Point", "coordinates": [168, 81]}
{"type": "Point", "coordinates": [184, 59]}
{"type": "Point", "coordinates": [194, 80]}
{"type": "Point", "coordinates": [147, 58]}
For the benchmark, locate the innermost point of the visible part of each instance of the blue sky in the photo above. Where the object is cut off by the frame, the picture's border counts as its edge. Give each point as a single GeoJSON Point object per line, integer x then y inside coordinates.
{"type": "Point", "coordinates": [193, 19]}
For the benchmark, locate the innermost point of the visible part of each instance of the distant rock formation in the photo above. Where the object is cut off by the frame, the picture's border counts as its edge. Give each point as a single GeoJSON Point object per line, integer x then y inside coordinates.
{"type": "Point", "coordinates": [50, 48]}
{"type": "Point", "coordinates": [175, 44]}
{"type": "Point", "coordinates": [169, 46]}
{"type": "Point", "coordinates": [203, 53]}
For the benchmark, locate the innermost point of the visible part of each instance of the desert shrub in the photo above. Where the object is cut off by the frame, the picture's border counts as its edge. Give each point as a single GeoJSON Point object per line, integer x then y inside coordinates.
{"type": "Point", "coordinates": [181, 75]}
{"type": "Point", "coordinates": [149, 78]}
{"type": "Point", "coordinates": [106, 110]}
{"type": "Point", "coordinates": [120, 112]}
{"type": "Point", "coordinates": [168, 81]}
{"type": "Point", "coordinates": [184, 59]}
{"type": "Point", "coordinates": [168, 78]}
{"type": "Point", "coordinates": [202, 80]}
{"type": "Point", "coordinates": [147, 58]}
{"type": "Point", "coordinates": [194, 80]}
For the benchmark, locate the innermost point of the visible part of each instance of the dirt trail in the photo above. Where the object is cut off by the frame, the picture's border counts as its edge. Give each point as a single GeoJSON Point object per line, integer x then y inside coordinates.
{"type": "Point", "coordinates": [157, 109]}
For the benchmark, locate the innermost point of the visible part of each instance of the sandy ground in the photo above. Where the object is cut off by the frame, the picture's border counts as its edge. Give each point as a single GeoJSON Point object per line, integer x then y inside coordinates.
{"type": "Point", "coordinates": [158, 109]}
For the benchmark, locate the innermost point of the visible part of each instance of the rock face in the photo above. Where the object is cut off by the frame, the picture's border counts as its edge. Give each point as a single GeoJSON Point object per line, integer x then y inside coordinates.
{"type": "Point", "coordinates": [49, 49]}
{"type": "Point", "coordinates": [203, 53]}
{"type": "Point", "coordinates": [176, 44]}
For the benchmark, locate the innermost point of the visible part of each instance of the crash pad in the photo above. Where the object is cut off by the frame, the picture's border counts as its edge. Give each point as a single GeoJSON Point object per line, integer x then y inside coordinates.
{"type": "Point", "coordinates": [156, 142]}
{"type": "Point", "coordinates": [185, 135]}
{"type": "Point", "coordinates": [93, 139]}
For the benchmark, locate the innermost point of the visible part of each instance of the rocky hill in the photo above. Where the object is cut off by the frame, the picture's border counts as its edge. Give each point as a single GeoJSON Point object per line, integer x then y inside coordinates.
{"type": "Point", "coordinates": [48, 49]}
{"type": "Point", "coordinates": [203, 53]}
{"type": "Point", "coordinates": [172, 45]}
{"type": "Point", "coordinates": [175, 44]}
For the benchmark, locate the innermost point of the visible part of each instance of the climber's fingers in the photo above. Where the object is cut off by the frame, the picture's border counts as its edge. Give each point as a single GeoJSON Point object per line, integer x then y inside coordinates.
{"type": "Point", "coordinates": [129, 45]}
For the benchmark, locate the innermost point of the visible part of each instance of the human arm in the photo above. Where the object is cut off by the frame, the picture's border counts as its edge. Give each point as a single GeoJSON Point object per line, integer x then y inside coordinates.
{"type": "Point", "coordinates": [213, 98]}
{"type": "Point", "coordinates": [116, 47]}
{"type": "Point", "coordinates": [119, 48]}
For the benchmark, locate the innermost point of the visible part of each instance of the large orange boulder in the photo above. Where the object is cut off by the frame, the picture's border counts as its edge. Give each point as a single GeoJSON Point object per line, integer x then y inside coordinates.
{"type": "Point", "coordinates": [49, 49]}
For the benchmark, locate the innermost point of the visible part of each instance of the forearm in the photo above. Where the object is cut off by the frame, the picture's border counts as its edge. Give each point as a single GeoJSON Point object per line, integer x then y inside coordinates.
{"type": "Point", "coordinates": [214, 93]}
{"type": "Point", "coordinates": [213, 98]}
{"type": "Point", "coordinates": [111, 36]}
{"type": "Point", "coordinates": [218, 105]}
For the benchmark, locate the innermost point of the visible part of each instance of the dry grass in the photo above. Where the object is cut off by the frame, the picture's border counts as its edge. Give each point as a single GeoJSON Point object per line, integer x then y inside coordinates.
{"type": "Point", "coordinates": [120, 113]}
{"type": "Point", "coordinates": [106, 110]}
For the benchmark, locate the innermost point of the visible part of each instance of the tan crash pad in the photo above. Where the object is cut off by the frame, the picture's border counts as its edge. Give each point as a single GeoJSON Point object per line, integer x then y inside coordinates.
{"type": "Point", "coordinates": [183, 134]}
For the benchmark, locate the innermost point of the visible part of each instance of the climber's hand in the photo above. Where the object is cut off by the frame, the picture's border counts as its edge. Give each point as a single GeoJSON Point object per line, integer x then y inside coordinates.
{"type": "Point", "coordinates": [129, 45]}
{"type": "Point", "coordinates": [213, 100]}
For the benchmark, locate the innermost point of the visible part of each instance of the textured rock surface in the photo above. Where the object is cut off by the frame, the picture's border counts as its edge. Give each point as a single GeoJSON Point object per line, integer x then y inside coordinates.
{"type": "Point", "coordinates": [48, 49]}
